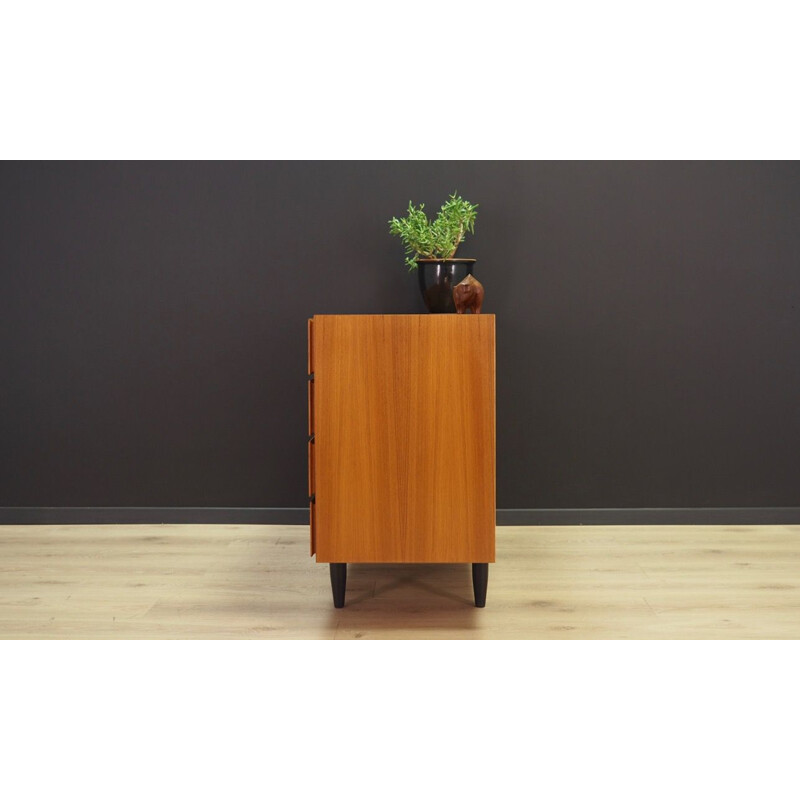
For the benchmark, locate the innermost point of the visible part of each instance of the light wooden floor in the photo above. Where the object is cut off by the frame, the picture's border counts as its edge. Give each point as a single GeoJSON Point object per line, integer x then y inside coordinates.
{"type": "Point", "coordinates": [257, 581]}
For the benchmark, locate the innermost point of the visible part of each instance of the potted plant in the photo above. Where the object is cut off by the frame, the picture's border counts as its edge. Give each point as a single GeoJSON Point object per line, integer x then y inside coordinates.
{"type": "Point", "coordinates": [431, 246]}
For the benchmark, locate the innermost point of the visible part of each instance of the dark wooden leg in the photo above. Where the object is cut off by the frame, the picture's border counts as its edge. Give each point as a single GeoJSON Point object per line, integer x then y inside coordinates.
{"type": "Point", "coordinates": [480, 578]}
{"type": "Point", "coordinates": [339, 582]}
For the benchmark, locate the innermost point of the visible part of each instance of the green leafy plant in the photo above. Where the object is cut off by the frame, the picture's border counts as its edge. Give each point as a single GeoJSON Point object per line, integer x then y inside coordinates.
{"type": "Point", "coordinates": [438, 238]}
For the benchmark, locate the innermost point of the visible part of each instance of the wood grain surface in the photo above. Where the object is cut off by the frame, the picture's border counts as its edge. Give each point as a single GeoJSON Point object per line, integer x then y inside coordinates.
{"type": "Point", "coordinates": [257, 582]}
{"type": "Point", "coordinates": [404, 415]}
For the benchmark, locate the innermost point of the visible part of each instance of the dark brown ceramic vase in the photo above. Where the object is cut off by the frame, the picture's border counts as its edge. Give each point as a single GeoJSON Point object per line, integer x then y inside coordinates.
{"type": "Point", "coordinates": [437, 277]}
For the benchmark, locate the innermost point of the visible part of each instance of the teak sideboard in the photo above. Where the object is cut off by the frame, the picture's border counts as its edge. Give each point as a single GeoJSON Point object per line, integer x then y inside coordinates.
{"type": "Point", "coordinates": [401, 441]}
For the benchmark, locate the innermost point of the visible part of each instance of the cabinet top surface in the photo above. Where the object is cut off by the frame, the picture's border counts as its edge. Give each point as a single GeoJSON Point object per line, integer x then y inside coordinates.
{"type": "Point", "coordinates": [420, 316]}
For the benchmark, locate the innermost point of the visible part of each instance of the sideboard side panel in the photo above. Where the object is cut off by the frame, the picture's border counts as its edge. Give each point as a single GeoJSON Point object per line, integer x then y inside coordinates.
{"type": "Point", "coordinates": [405, 438]}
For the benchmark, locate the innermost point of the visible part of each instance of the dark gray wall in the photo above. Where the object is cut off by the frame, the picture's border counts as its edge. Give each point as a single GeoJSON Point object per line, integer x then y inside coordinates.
{"type": "Point", "coordinates": [153, 323]}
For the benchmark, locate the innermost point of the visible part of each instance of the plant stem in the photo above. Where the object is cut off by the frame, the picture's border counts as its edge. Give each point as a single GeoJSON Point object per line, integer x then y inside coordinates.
{"type": "Point", "coordinates": [459, 239]}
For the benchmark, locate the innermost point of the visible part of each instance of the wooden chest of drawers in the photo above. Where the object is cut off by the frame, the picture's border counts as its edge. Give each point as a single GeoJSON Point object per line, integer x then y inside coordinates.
{"type": "Point", "coordinates": [402, 441]}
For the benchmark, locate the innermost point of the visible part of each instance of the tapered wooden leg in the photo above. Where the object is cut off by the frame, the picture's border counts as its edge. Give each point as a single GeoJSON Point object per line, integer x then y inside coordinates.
{"type": "Point", "coordinates": [480, 578]}
{"type": "Point", "coordinates": [339, 582]}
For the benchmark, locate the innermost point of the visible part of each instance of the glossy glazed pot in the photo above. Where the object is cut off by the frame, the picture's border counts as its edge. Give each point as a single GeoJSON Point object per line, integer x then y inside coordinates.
{"type": "Point", "coordinates": [437, 277]}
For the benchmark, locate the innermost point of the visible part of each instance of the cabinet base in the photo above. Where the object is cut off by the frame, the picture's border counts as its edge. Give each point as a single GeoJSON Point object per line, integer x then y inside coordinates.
{"type": "Point", "coordinates": [480, 580]}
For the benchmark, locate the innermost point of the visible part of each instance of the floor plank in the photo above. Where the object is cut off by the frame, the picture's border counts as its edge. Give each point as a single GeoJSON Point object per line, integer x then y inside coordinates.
{"type": "Point", "coordinates": [257, 582]}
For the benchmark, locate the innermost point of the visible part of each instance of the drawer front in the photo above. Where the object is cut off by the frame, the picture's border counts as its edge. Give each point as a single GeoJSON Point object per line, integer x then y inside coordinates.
{"type": "Point", "coordinates": [311, 448]}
